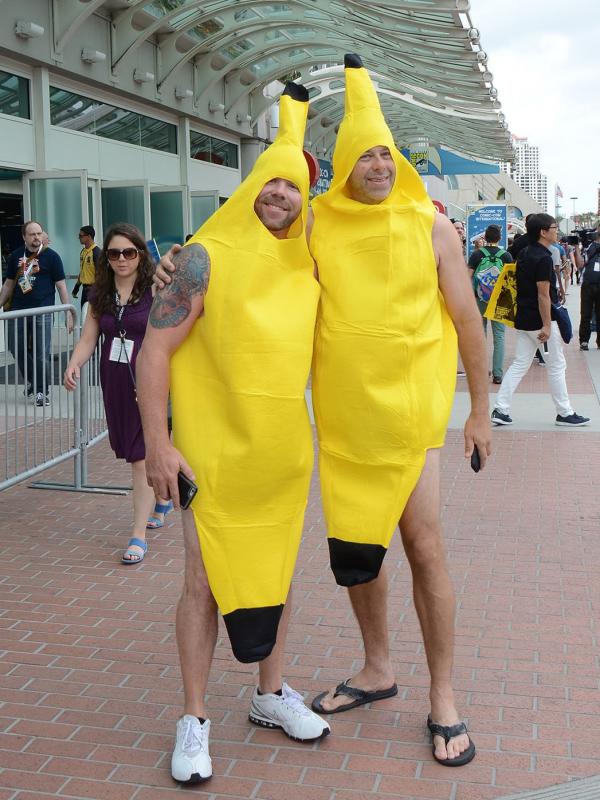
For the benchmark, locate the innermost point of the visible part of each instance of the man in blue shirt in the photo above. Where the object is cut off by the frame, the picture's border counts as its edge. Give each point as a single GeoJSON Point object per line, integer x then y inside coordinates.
{"type": "Point", "coordinates": [33, 274]}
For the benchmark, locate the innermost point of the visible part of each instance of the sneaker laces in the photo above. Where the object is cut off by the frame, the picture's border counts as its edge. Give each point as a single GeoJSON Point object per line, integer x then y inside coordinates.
{"type": "Point", "coordinates": [194, 735]}
{"type": "Point", "coordinates": [294, 700]}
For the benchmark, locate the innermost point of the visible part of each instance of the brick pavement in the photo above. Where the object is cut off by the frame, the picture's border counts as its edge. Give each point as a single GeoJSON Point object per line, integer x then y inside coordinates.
{"type": "Point", "coordinates": [90, 688]}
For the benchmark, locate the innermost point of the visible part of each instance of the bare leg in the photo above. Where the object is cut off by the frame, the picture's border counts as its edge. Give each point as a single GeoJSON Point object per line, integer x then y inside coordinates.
{"type": "Point", "coordinates": [158, 516]}
{"type": "Point", "coordinates": [433, 592]}
{"type": "Point", "coordinates": [270, 670]}
{"type": "Point", "coordinates": [143, 502]}
{"type": "Point", "coordinates": [195, 623]}
{"type": "Point", "coordinates": [369, 603]}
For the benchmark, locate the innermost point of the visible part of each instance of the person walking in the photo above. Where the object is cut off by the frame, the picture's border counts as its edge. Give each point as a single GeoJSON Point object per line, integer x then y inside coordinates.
{"type": "Point", "coordinates": [88, 262]}
{"type": "Point", "coordinates": [536, 292]}
{"type": "Point", "coordinates": [120, 302]}
{"type": "Point", "coordinates": [590, 294]}
{"type": "Point", "coordinates": [485, 266]}
{"type": "Point", "coordinates": [34, 274]}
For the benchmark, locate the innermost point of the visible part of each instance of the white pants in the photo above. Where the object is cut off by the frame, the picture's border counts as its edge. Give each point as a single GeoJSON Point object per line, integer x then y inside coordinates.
{"type": "Point", "coordinates": [556, 367]}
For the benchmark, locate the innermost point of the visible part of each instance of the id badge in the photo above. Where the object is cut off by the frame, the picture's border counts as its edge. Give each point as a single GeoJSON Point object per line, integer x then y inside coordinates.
{"type": "Point", "coordinates": [597, 266]}
{"type": "Point", "coordinates": [121, 350]}
{"type": "Point", "coordinates": [25, 284]}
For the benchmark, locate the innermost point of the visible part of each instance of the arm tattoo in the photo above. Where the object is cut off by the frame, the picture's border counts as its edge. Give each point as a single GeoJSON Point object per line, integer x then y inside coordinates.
{"type": "Point", "coordinates": [172, 305]}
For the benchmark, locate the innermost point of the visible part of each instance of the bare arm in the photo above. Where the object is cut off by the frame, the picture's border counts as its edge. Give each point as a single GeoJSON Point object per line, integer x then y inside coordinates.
{"type": "Point", "coordinates": [559, 280]}
{"type": "Point", "coordinates": [543, 290]}
{"type": "Point", "coordinates": [82, 352]}
{"type": "Point", "coordinates": [7, 290]}
{"type": "Point", "coordinates": [460, 302]}
{"type": "Point", "coordinates": [61, 288]}
{"type": "Point", "coordinates": [174, 311]}
{"type": "Point", "coordinates": [163, 277]}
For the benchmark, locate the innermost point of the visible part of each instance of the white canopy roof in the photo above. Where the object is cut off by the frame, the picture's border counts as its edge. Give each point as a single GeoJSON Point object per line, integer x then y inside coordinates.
{"type": "Point", "coordinates": [425, 56]}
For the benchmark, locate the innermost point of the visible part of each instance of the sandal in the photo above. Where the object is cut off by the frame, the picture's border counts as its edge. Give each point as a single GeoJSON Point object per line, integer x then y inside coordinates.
{"type": "Point", "coordinates": [135, 556]}
{"type": "Point", "coordinates": [159, 508]}
{"type": "Point", "coordinates": [448, 732]}
{"type": "Point", "coordinates": [360, 697]}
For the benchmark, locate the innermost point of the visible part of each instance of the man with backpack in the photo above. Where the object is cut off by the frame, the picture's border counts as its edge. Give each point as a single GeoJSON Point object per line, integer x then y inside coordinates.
{"type": "Point", "coordinates": [485, 265]}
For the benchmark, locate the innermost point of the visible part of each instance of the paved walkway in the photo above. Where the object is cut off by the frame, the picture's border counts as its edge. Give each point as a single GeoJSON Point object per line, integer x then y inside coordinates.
{"type": "Point", "coordinates": [89, 682]}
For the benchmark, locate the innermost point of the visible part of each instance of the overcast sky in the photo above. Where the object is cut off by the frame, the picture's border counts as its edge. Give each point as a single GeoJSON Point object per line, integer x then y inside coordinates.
{"type": "Point", "coordinates": [545, 59]}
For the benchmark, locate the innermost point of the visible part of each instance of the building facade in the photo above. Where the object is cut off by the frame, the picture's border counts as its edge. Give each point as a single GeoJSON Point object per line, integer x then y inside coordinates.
{"type": "Point", "coordinates": [525, 171]}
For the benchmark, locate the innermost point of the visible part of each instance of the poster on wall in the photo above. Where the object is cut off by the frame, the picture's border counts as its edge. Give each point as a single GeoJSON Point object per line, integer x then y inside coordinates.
{"type": "Point", "coordinates": [420, 160]}
{"type": "Point", "coordinates": [479, 216]}
{"type": "Point", "coordinates": [325, 176]}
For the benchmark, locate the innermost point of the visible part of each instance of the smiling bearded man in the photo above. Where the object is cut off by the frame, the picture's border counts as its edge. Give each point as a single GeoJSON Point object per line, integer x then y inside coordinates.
{"type": "Point", "coordinates": [394, 294]}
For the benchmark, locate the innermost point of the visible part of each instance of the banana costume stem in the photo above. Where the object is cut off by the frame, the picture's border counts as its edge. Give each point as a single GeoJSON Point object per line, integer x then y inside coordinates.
{"type": "Point", "coordinates": [385, 348]}
{"type": "Point", "coordinates": [237, 390]}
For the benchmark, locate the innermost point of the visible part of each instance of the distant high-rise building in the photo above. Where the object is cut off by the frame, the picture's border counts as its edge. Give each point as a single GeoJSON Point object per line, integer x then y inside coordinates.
{"type": "Point", "coordinates": [526, 171]}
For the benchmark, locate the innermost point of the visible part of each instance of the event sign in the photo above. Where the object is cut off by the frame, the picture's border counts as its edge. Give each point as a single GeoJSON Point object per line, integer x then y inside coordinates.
{"type": "Point", "coordinates": [479, 216]}
{"type": "Point", "coordinates": [325, 176]}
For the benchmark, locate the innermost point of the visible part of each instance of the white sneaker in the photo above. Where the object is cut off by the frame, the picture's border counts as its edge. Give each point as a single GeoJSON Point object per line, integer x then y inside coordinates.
{"type": "Point", "coordinates": [190, 762]}
{"type": "Point", "coordinates": [289, 713]}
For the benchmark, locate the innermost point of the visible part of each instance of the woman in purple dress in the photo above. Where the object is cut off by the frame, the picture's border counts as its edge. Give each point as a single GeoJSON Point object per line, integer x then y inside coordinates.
{"type": "Point", "coordinates": [120, 304]}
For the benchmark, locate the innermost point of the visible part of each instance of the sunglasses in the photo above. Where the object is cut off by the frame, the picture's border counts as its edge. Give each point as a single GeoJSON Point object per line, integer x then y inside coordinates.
{"type": "Point", "coordinates": [129, 253]}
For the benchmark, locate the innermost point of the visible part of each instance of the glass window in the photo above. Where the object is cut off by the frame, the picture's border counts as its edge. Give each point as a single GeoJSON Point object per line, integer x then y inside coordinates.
{"type": "Point", "coordinates": [77, 113]}
{"type": "Point", "coordinates": [14, 95]}
{"type": "Point", "coordinates": [166, 209]}
{"type": "Point", "coordinates": [215, 151]}
{"type": "Point", "coordinates": [236, 49]}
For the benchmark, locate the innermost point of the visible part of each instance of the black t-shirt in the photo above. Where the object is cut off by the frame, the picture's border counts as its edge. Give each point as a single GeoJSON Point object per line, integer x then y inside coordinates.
{"type": "Point", "coordinates": [519, 243]}
{"type": "Point", "coordinates": [476, 256]}
{"type": "Point", "coordinates": [592, 257]}
{"type": "Point", "coordinates": [534, 264]}
{"type": "Point", "coordinates": [43, 283]}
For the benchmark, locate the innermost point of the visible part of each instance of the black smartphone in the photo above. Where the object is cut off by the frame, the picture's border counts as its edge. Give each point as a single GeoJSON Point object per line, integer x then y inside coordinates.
{"type": "Point", "coordinates": [475, 460]}
{"type": "Point", "coordinates": [187, 490]}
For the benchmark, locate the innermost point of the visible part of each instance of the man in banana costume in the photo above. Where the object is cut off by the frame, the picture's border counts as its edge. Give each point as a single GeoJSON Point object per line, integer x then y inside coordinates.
{"type": "Point", "coordinates": [235, 329]}
{"type": "Point", "coordinates": [394, 293]}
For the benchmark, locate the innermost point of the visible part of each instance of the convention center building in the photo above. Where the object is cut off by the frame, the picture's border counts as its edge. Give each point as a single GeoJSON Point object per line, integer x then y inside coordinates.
{"type": "Point", "coordinates": [152, 111]}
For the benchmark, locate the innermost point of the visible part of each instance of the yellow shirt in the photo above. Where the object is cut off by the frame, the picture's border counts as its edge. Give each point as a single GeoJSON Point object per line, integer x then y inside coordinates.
{"type": "Point", "coordinates": [87, 268]}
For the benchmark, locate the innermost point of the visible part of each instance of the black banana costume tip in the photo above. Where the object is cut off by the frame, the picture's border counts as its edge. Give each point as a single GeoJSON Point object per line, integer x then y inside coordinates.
{"type": "Point", "coordinates": [296, 91]}
{"type": "Point", "coordinates": [353, 61]}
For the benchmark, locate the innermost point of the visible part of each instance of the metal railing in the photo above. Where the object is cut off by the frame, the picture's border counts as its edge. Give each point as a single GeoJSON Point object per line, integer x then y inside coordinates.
{"type": "Point", "coordinates": [41, 424]}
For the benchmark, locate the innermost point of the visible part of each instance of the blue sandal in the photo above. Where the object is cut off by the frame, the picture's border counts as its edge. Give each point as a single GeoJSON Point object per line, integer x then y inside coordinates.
{"type": "Point", "coordinates": [136, 557]}
{"type": "Point", "coordinates": [159, 508]}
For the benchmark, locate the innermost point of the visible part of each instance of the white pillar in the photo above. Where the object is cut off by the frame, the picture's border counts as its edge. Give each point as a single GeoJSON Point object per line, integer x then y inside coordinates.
{"type": "Point", "coordinates": [250, 149]}
{"type": "Point", "coordinates": [40, 115]}
{"type": "Point", "coordinates": [183, 148]}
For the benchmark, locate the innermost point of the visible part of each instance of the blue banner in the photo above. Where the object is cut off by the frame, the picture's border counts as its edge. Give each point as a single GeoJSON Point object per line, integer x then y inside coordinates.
{"type": "Point", "coordinates": [439, 161]}
{"type": "Point", "coordinates": [325, 176]}
{"type": "Point", "coordinates": [479, 216]}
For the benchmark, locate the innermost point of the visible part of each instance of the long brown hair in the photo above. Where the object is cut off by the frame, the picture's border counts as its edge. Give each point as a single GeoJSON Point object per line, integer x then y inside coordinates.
{"type": "Point", "coordinates": [102, 297]}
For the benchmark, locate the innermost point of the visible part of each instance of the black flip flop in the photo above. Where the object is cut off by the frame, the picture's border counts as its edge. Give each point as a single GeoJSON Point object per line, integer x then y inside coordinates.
{"type": "Point", "coordinates": [360, 697]}
{"type": "Point", "coordinates": [448, 732]}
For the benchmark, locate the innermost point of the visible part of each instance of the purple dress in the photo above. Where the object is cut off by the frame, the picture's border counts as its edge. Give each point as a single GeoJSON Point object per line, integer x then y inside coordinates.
{"type": "Point", "coordinates": [122, 413]}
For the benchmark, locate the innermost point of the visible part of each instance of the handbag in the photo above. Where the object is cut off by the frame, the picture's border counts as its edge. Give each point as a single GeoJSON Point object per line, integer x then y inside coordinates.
{"type": "Point", "coordinates": [560, 315]}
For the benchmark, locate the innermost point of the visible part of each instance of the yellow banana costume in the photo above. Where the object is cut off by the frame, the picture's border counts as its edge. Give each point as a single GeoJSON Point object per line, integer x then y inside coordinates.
{"type": "Point", "coordinates": [237, 389]}
{"type": "Point", "coordinates": [385, 356]}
